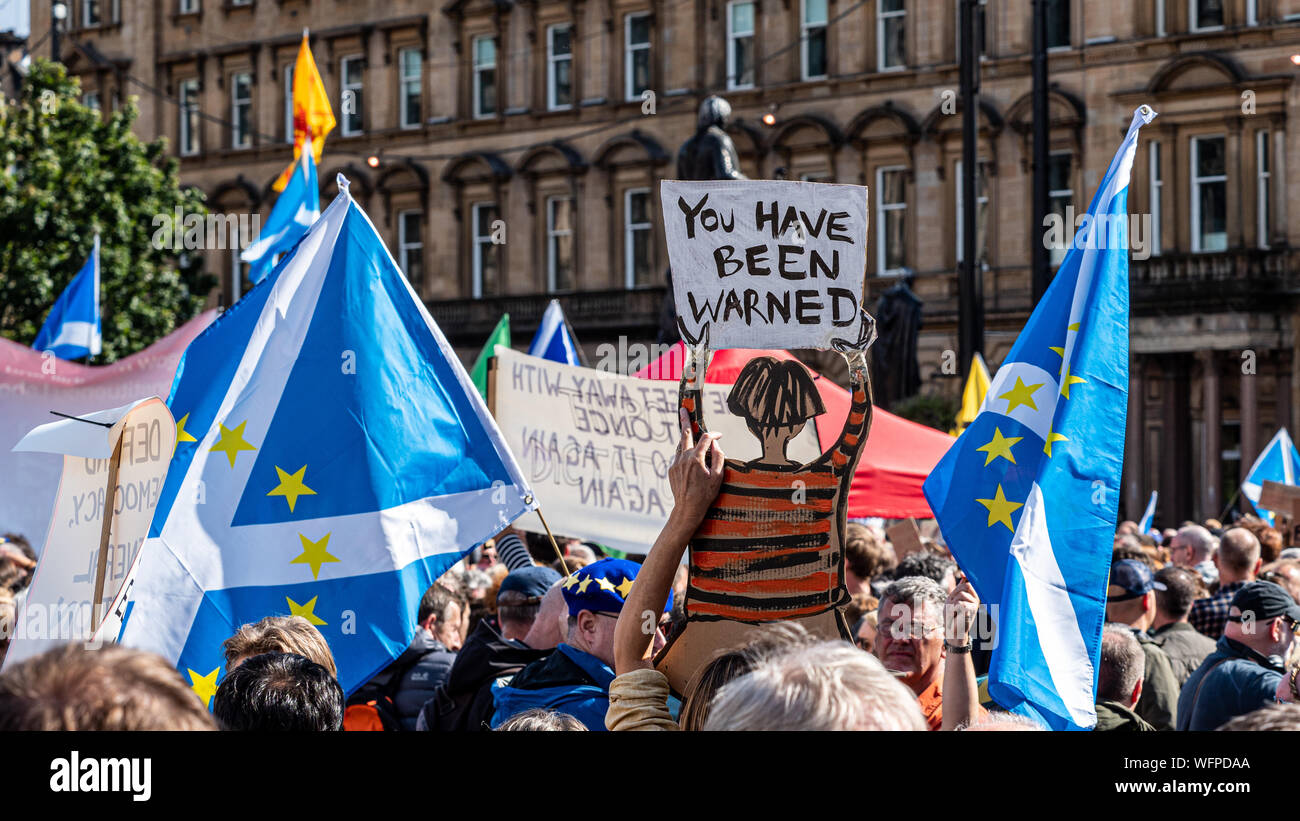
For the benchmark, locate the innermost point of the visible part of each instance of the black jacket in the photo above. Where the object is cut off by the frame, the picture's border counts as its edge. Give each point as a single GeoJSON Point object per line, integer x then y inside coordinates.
{"type": "Point", "coordinates": [422, 667]}
{"type": "Point", "coordinates": [464, 701]}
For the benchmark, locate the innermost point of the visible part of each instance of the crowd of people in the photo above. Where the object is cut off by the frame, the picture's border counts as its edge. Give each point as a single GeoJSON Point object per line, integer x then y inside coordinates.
{"type": "Point", "coordinates": [1201, 622]}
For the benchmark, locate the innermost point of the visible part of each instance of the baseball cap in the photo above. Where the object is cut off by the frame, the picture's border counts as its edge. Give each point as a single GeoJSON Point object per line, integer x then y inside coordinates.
{"type": "Point", "coordinates": [1266, 601]}
{"type": "Point", "coordinates": [531, 581]}
{"type": "Point", "coordinates": [1130, 578]}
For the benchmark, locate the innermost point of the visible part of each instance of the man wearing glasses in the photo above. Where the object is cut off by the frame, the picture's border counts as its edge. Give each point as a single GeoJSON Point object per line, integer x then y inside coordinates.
{"type": "Point", "coordinates": [1243, 673]}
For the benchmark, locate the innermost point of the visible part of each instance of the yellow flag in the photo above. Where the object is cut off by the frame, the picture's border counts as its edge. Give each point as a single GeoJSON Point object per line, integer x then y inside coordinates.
{"type": "Point", "coordinates": [972, 398]}
{"type": "Point", "coordinates": [312, 116]}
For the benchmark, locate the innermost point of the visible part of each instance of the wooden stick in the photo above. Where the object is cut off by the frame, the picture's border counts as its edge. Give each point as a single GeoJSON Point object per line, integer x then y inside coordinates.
{"type": "Point", "coordinates": [551, 536]}
{"type": "Point", "coordinates": [109, 499]}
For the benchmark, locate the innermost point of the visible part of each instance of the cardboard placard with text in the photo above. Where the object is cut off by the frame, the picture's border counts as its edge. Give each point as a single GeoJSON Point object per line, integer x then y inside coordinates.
{"type": "Point", "coordinates": [114, 464]}
{"type": "Point", "coordinates": [766, 263]}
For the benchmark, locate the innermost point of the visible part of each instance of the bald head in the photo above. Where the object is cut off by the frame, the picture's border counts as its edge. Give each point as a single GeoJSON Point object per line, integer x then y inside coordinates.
{"type": "Point", "coordinates": [552, 620]}
{"type": "Point", "coordinates": [1238, 556]}
{"type": "Point", "coordinates": [1191, 546]}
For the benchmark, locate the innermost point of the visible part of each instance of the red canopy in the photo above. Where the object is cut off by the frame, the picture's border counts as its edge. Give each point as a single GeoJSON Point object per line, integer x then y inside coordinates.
{"type": "Point", "coordinates": [899, 454]}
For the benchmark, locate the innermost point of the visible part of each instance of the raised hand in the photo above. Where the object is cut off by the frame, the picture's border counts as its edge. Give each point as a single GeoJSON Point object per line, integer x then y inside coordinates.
{"type": "Point", "coordinates": [695, 473]}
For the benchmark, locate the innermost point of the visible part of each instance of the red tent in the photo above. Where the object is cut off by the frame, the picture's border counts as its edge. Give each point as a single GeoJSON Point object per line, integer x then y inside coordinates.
{"type": "Point", "coordinates": [899, 454]}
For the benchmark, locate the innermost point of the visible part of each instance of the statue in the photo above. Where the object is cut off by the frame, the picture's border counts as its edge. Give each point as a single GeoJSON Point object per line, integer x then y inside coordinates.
{"type": "Point", "coordinates": [709, 155]}
{"type": "Point", "coordinates": [898, 314]}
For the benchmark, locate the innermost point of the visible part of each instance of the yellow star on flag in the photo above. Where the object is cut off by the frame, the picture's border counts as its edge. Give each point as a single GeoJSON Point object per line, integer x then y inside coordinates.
{"type": "Point", "coordinates": [624, 588]}
{"type": "Point", "coordinates": [582, 588]}
{"type": "Point", "coordinates": [1053, 437]}
{"type": "Point", "coordinates": [314, 554]}
{"type": "Point", "coordinates": [1000, 446]}
{"type": "Point", "coordinates": [1000, 509]}
{"type": "Point", "coordinates": [570, 581]}
{"type": "Point", "coordinates": [305, 610]}
{"type": "Point", "coordinates": [291, 486]}
{"type": "Point", "coordinates": [1067, 380]}
{"type": "Point", "coordinates": [1021, 394]}
{"type": "Point", "coordinates": [205, 687]}
{"type": "Point", "coordinates": [232, 442]}
{"type": "Point", "coordinates": [1073, 326]}
{"type": "Point", "coordinates": [606, 584]}
{"type": "Point", "coordinates": [1058, 351]}
{"type": "Point", "coordinates": [182, 435]}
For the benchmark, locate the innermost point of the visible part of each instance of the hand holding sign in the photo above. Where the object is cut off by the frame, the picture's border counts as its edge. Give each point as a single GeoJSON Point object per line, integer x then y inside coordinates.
{"type": "Point", "coordinates": [766, 264]}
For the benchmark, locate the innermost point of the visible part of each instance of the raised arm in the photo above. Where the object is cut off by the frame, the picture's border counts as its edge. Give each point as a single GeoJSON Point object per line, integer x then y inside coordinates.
{"type": "Point", "coordinates": [961, 703]}
{"type": "Point", "coordinates": [858, 424]}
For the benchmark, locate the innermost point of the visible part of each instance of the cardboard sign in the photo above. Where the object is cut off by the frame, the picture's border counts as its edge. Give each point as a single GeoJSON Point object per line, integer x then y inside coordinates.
{"type": "Point", "coordinates": [596, 446]}
{"type": "Point", "coordinates": [1284, 501]}
{"type": "Point", "coordinates": [906, 538]}
{"type": "Point", "coordinates": [766, 264]}
{"type": "Point", "coordinates": [114, 464]}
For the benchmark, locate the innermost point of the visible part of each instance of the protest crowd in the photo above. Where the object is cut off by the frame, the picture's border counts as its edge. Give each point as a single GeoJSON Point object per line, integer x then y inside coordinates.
{"type": "Point", "coordinates": [1201, 623]}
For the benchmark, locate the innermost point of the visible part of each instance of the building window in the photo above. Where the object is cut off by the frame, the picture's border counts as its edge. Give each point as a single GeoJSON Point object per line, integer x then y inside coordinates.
{"type": "Point", "coordinates": [189, 6]}
{"type": "Point", "coordinates": [1263, 173]}
{"type": "Point", "coordinates": [559, 244]}
{"type": "Point", "coordinates": [241, 110]}
{"type": "Point", "coordinates": [485, 273]}
{"type": "Point", "coordinates": [91, 13]}
{"type": "Point", "coordinates": [1160, 18]}
{"type": "Point", "coordinates": [1205, 15]}
{"type": "Point", "coordinates": [812, 42]}
{"type": "Point", "coordinates": [637, 229]}
{"type": "Point", "coordinates": [890, 33]}
{"type": "Point", "coordinates": [485, 77]}
{"type": "Point", "coordinates": [412, 67]}
{"type": "Point", "coordinates": [1157, 194]}
{"type": "Point", "coordinates": [189, 115]}
{"type": "Point", "coordinates": [410, 247]}
{"type": "Point", "coordinates": [981, 210]}
{"type": "Point", "coordinates": [891, 220]}
{"type": "Point", "coordinates": [1058, 23]}
{"type": "Point", "coordinates": [1209, 195]}
{"type": "Point", "coordinates": [91, 100]}
{"type": "Point", "coordinates": [559, 67]}
{"type": "Point", "coordinates": [740, 45]}
{"type": "Point", "coordinates": [1252, 12]}
{"type": "Point", "coordinates": [636, 48]}
{"type": "Point", "coordinates": [288, 103]}
{"type": "Point", "coordinates": [1060, 196]}
{"type": "Point", "coordinates": [350, 96]}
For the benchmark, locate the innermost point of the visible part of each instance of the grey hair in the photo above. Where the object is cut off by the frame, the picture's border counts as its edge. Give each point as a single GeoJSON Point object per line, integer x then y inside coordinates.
{"type": "Point", "coordinates": [1122, 664]}
{"type": "Point", "coordinates": [829, 685]}
{"type": "Point", "coordinates": [1000, 721]}
{"type": "Point", "coordinates": [1200, 540]}
{"type": "Point", "coordinates": [542, 719]}
{"type": "Point", "coordinates": [714, 111]}
{"type": "Point", "coordinates": [1285, 717]}
{"type": "Point", "coordinates": [914, 590]}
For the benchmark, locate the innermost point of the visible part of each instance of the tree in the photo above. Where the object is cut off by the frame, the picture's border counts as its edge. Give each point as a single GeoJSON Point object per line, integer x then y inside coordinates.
{"type": "Point", "coordinates": [69, 172]}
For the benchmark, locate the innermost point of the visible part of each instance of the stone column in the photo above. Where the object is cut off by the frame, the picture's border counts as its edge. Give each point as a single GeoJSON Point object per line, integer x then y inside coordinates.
{"type": "Point", "coordinates": [1249, 421]}
{"type": "Point", "coordinates": [1134, 453]}
{"type": "Point", "coordinates": [1212, 469]}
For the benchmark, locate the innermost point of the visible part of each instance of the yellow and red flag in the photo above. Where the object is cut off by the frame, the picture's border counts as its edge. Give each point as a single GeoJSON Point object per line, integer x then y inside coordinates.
{"type": "Point", "coordinates": [312, 116]}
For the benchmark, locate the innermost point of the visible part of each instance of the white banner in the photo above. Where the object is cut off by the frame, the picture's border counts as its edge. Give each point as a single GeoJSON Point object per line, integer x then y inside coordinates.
{"type": "Point", "coordinates": [596, 446]}
{"type": "Point", "coordinates": [766, 264]}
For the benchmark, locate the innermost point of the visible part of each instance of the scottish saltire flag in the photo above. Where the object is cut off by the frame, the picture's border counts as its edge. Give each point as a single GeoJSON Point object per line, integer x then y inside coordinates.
{"type": "Point", "coordinates": [1279, 462]}
{"type": "Point", "coordinates": [1027, 496]}
{"type": "Point", "coordinates": [72, 329]}
{"type": "Point", "coordinates": [333, 460]}
{"type": "Point", "coordinates": [554, 340]}
{"type": "Point", "coordinates": [297, 207]}
{"type": "Point", "coordinates": [1149, 513]}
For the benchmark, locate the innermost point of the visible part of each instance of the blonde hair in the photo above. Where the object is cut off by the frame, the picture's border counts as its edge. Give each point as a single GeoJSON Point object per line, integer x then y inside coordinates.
{"type": "Point", "coordinates": [279, 634]}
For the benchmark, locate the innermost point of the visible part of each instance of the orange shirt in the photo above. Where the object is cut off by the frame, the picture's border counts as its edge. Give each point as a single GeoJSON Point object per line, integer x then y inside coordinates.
{"type": "Point", "coordinates": [931, 701]}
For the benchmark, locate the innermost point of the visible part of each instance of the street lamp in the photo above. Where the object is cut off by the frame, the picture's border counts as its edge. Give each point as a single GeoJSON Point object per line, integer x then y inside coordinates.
{"type": "Point", "coordinates": [1295, 59]}
{"type": "Point", "coordinates": [58, 13]}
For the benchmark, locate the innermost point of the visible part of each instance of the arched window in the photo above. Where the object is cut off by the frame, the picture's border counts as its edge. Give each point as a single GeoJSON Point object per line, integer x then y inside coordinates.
{"type": "Point", "coordinates": [553, 179]}
{"type": "Point", "coordinates": [885, 137]}
{"type": "Point", "coordinates": [480, 180]}
{"type": "Point", "coordinates": [629, 163]}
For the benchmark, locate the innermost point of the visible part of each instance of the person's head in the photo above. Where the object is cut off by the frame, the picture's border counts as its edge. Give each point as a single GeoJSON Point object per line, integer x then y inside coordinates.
{"type": "Point", "coordinates": [1126, 528]}
{"type": "Point", "coordinates": [595, 597]}
{"type": "Point", "coordinates": [909, 634]}
{"type": "Point", "coordinates": [730, 664]}
{"type": "Point", "coordinates": [776, 398]}
{"type": "Point", "coordinates": [1238, 556]}
{"type": "Point", "coordinates": [1131, 594]}
{"type": "Point", "coordinates": [279, 692]}
{"type": "Point", "coordinates": [859, 604]}
{"type": "Point", "coordinates": [1127, 541]}
{"type": "Point", "coordinates": [278, 634]}
{"type": "Point", "coordinates": [865, 556]}
{"type": "Point", "coordinates": [8, 621]}
{"type": "Point", "coordinates": [1264, 617]}
{"type": "Point", "coordinates": [1119, 677]}
{"type": "Point", "coordinates": [714, 110]}
{"type": "Point", "coordinates": [930, 565]}
{"type": "Point", "coordinates": [551, 622]}
{"type": "Point", "coordinates": [829, 685]}
{"type": "Point", "coordinates": [1275, 717]}
{"type": "Point", "coordinates": [1191, 546]}
{"type": "Point", "coordinates": [442, 614]}
{"type": "Point", "coordinates": [16, 553]}
{"type": "Point", "coordinates": [1181, 588]}
{"type": "Point", "coordinates": [520, 598]}
{"type": "Point", "coordinates": [1285, 572]}
{"type": "Point", "coordinates": [113, 688]}
{"type": "Point", "coordinates": [539, 719]}
{"type": "Point", "coordinates": [864, 631]}
{"type": "Point", "coordinates": [1270, 544]}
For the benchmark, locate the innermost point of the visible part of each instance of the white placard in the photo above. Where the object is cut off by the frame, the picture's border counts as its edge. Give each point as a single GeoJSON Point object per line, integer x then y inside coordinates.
{"type": "Point", "coordinates": [58, 607]}
{"type": "Point", "coordinates": [766, 264]}
{"type": "Point", "coordinates": [595, 446]}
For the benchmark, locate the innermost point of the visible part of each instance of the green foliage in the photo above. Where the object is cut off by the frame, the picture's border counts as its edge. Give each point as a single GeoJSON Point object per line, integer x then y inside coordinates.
{"type": "Point", "coordinates": [67, 173]}
{"type": "Point", "coordinates": [937, 412]}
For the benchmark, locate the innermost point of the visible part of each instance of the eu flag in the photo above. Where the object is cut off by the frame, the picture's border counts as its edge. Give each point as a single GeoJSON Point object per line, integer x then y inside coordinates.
{"type": "Point", "coordinates": [1027, 497]}
{"type": "Point", "coordinates": [333, 460]}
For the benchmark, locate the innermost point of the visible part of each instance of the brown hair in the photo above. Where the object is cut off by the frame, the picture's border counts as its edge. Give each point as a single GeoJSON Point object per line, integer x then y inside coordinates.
{"type": "Point", "coordinates": [279, 634]}
{"type": "Point", "coordinates": [771, 393]}
{"type": "Point", "coordinates": [866, 555]}
{"type": "Point", "coordinates": [112, 688]}
{"type": "Point", "coordinates": [1270, 544]}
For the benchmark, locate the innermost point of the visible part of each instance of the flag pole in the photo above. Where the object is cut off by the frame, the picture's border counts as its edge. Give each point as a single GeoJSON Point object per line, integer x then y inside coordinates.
{"type": "Point", "coordinates": [556, 547]}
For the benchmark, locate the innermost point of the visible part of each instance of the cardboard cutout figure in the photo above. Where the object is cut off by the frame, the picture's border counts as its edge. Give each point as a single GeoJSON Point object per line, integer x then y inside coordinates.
{"type": "Point", "coordinates": [772, 546]}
